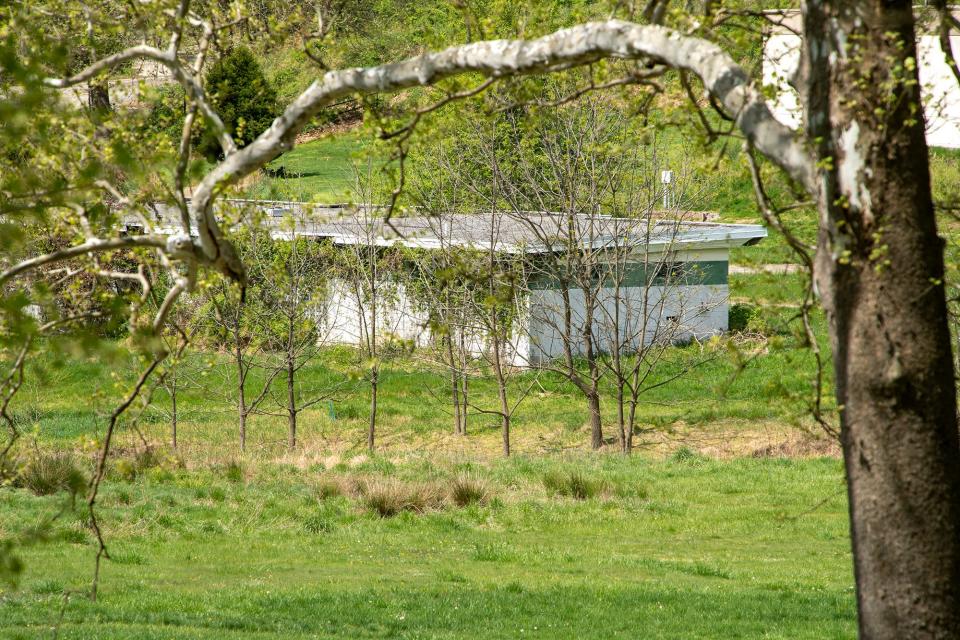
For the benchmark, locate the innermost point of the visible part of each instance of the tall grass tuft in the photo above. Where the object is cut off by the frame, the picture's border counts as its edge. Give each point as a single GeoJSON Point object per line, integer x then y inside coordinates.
{"type": "Point", "coordinates": [47, 473]}
{"type": "Point", "coordinates": [389, 497]}
{"type": "Point", "coordinates": [467, 489]}
{"type": "Point", "coordinates": [572, 483]}
{"type": "Point", "coordinates": [329, 488]}
{"type": "Point", "coordinates": [233, 471]}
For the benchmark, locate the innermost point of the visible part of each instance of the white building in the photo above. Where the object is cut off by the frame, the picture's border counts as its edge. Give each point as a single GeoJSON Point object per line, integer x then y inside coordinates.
{"type": "Point", "coordinates": [653, 279]}
{"type": "Point", "coordinates": [661, 279]}
{"type": "Point", "coordinates": [941, 92]}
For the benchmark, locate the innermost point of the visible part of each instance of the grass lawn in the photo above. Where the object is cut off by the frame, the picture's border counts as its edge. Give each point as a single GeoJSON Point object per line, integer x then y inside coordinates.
{"type": "Point", "coordinates": [321, 170]}
{"type": "Point", "coordinates": [669, 543]}
{"type": "Point", "coordinates": [679, 548]}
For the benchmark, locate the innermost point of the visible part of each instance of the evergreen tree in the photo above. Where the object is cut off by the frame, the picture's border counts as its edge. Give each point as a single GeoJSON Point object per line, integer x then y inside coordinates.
{"type": "Point", "coordinates": [242, 95]}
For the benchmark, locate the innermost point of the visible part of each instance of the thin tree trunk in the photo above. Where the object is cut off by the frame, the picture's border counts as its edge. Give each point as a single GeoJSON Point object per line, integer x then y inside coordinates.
{"type": "Point", "coordinates": [372, 428]}
{"type": "Point", "coordinates": [621, 418]}
{"type": "Point", "coordinates": [291, 408]}
{"type": "Point", "coordinates": [291, 374]}
{"type": "Point", "coordinates": [464, 384]}
{"type": "Point", "coordinates": [173, 417]}
{"type": "Point", "coordinates": [464, 399]}
{"type": "Point", "coordinates": [593, 395]}
{"type": "Point", "coordinates": [98, 96]}
{"type": "Point", "coordinates": [880, 270]}
{"type": "Point", "coordinates": [631, 422]}
{"type": "Point", "coordinates": [241, 398]}
{"type": "Point", "coordinates": [372, 349]}
{"type": "Point", "coordinates": [596, 427]}
{"type": "Point", "coordinates": [454, 387]}
{"type": "Point", "coordinates": [501, 387]}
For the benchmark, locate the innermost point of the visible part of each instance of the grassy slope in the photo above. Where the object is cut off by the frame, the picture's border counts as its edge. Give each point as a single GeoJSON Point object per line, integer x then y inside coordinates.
{"type": "Point", "coordinates": [676, 549]}
{"type": "Point", "coordinates": [320, 170]}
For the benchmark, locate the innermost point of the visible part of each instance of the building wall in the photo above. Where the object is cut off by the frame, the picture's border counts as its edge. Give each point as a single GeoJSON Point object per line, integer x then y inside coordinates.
{"type": "Point", "coordinates": [694, 305]}
{"type": "Point", "coordinates": [673, 312]}
{"type": "Point", "coordinates": [941, 94]}
{"type": "Point", "coordinates": [346, 320]}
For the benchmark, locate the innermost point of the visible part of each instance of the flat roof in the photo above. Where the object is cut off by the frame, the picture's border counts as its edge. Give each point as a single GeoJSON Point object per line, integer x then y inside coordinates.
{"type": "Point", "coordinates": [507, 231]}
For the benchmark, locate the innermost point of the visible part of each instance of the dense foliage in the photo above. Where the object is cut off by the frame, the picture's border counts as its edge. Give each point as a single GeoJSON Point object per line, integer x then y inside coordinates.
{"type": "Point", "coordinates": [243, 97]}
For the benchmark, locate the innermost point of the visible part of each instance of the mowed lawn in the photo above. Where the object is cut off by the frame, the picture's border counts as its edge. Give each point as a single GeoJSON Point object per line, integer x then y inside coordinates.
{"type": "Point", "coordinates": [322, 170]}
{"type": "Point", "coordinates": [684, 547]}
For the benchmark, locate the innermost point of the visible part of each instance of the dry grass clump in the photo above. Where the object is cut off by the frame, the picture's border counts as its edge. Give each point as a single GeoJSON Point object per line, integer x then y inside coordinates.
{"type": "Point", "coordinates": [467, 489]}
{"type": "Point", "coordinates": [336, 486]}
{"type": "Point", "coordinates": [572, 483]}
{"type": "Point", "coordinates": [46, 473]}
{"type": "Point", "coordinates": [388, 497]}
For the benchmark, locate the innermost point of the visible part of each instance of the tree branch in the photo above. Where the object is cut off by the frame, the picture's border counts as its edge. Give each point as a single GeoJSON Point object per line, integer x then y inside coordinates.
{"type": "Point", "coordinates": [582, 44]}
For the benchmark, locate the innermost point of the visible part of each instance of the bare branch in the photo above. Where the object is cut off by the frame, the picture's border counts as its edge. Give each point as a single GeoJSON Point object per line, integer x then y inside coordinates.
{"type": "Point", "coordinates": [97, 478]}
{"type": "Point", "coordinates": [175, 246]}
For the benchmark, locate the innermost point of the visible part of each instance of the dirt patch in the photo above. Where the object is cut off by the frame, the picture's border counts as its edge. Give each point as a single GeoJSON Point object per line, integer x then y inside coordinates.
{"type": "Point", "coordinates": [742, 440]}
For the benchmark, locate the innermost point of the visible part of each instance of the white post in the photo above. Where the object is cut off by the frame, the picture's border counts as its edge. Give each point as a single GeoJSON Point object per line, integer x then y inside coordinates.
{"type": "Point", "coordinates": [666, 177]}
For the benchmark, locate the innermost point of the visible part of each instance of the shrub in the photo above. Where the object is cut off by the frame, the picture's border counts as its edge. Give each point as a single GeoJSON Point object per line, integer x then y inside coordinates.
{"type": "Point", "coordinates": [47, 473]}
{"type": "Point", "coordinates": [739, 316]}
{"type": "Point", "coordinates": [751, 319]}
{"type": "Point", "coordinates": [686, 455]}
{"type": "Point", "coordinates": [390, 497]}
{"type": "Point", "coordinates": [572, 484]}
{"type": "Point", "coordinates": [468, 489]}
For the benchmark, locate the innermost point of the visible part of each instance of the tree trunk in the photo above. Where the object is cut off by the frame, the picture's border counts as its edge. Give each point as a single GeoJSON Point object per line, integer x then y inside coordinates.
{"type": "Point", "coordinates": [291, 408]}
{"type": "Point", "coordinates": [98, 96]}
{"type": "Point", "coordinates": [372, 428]}
{"type": "Point", "coordinates": [173, 418]}
{"type": "Point", "coordinates": [621, 417]}
{"type": "Point", "coordinates": [631, 422]}
{"type": "Point", "coordinates": [596, 427]}
{"type": "Point", "coordinates": [880, 272]}
{"type": "Point", "coordinates": [291, 379]}
{"type": "Point", "coordinates": [464, 399]}
{"type": "Point", "coordinates": [590, 352]}
{"type": "Point", "coordinates": [501, 389]}
{"type": "Point", "coordinates": [454, 387]}
{"type": "Point", "coordinates": [372, 349]}
{"type": "Point", "coordinates": [241, 398]}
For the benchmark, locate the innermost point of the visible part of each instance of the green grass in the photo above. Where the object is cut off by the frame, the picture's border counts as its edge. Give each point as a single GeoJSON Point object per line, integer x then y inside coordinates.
{"type": "Point", "coordinates": [750, 384]}
{"type": "Point", "coordinates": [676, 549]}
{"type": "Point", "coordinates": [321, 170]}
